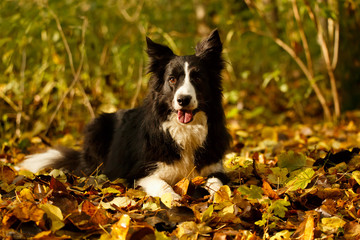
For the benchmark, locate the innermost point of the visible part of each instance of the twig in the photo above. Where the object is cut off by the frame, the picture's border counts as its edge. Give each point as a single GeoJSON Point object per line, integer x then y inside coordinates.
{"type": "Point", "coordinates": [325, 52]}
{"type": "Point", "coordinates": [336, 46]}
{"type": "Point", "coordinates": [13, 105]}
{"type": "Point", "coordinates": [125, 14]}
{"type": "Point", "coordinates": [76, 74]}
{"type": "Point", "coordinates": [303, 37]}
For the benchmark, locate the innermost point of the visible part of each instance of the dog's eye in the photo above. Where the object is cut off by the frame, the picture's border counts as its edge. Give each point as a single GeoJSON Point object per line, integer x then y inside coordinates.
{"type": "Point", "coordinates": [172, 80]}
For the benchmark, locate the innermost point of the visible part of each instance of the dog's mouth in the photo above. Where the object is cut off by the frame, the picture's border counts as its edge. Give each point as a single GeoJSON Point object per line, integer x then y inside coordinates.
{"type": "Point", "coordinates": [186, 116]}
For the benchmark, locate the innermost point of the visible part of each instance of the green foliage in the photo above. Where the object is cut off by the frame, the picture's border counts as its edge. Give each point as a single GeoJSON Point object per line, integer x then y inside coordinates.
{"type": "Point", "coordinates": [274, 212]}
{"type": "Point", "coordinates": [291, 160]}
{"type": "Point", "coordinates": [254, 192]}
{"type": "Point", "coordinates": [278, 175]}
{"type": "Point", "coordinates": [300, 180]}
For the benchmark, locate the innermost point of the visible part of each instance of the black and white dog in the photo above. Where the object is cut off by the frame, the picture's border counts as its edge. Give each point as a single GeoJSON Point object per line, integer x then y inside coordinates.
{"type": "Point", "coordinates": [178, 132]}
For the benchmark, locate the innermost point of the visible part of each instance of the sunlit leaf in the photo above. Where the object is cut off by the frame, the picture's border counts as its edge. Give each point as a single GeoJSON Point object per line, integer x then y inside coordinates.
{"type": "Point", "coordinates": [55, 215]}
{"type": "Point", "coordinates": [332, 224]}
{"type": "Point", "coordinates": [207, 214]}
{"type": "Point", "coordinates": [301, 180]}
{"type": "Point", "coordinates": [182, 186]}
{"type": "Point", "coordinates": [167, 199]}
{"type": "Point", "coordinates": [120, 202]}
{"type": "Point", "coordinates": [120, 229]}
{"type": "Point", "coordinates": [223, 194]}
{"type": "Point", "coordinates": [356, 176]}
{"type": "Point", "coordinates": [285, 234]}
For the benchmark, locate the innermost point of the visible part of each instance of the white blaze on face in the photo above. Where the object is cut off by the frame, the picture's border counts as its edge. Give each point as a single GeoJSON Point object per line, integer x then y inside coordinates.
{"type": "Point", "coordinates": [187, 89]}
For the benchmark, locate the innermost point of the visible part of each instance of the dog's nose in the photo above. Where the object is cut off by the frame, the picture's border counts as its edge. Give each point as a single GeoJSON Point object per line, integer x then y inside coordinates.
{"type": "Point", "coordinates": [184, 100]}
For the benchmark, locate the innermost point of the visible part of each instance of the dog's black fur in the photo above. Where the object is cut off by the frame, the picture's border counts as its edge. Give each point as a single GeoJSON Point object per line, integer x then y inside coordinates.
{"type": "Point", "coordinates": [130, 143]}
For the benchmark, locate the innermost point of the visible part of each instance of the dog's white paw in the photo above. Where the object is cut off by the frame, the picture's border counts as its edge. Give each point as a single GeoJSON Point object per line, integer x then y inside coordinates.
{"type": "Point", "coordinates": [213, 185]}
{"type": "Point", "coordinates": [156, 187]}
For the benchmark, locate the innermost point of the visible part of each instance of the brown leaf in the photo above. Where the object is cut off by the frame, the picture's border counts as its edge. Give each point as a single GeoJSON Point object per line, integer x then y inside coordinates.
{"type": "Point", "coordinates": [268, 191]}
{"type": "Point", "coordinates": [98, 215]}
{"type": "Point", "coordinates": [219, 236]}
{"type": "Point", "coordinates": [57, 186]}
{"type": "Point", "coordinates": [182, 186]}
{"type": "Point", "coordinates": [7, 174]}
{"type": "Point", "coordinates": [352, 230]}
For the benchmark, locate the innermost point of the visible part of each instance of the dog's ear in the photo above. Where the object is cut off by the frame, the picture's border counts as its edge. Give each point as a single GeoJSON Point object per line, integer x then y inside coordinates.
{"type": "Point", "coordinates": [211, 47]}
{"type": "Point", "coordinates": [159, 55]}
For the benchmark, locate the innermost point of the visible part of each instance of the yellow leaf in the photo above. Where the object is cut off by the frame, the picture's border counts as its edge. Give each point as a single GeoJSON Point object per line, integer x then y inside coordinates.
{"type": "Point", "coordinates": [55, 214]}
{"type": "Point", "coordinates": [167, 199]}
{"type": "Point", "coordinates": [356, 176]}
{"type": "Point", "coordinates": [223, 194]}
{"type": "Point", "coordinates": [309, 228]}
{"type": "Point", "coordinates": [121, 228]}
{"type": "Point", "coordinates": [331, 225]}
{"type": "Point", "coordinates": [26, 194]}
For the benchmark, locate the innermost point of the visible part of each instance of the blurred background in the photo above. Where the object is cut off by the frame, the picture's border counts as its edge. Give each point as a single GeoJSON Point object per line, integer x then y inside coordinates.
{"type": "Point", "coordinates": [64, 62]}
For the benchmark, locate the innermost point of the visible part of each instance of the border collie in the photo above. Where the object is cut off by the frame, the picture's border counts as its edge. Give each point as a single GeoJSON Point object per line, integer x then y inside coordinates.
{"type": "Point", "coordinates": [179, 130]}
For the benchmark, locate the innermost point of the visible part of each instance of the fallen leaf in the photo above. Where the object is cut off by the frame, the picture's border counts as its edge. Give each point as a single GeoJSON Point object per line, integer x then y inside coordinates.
{"type": "Point", "coordinates": [268, 191]}
{"type": "Point", "coordinates": [7, 174]}
{"type": "Point", "coordinates": [223, 194]}
{"type": "Point", "coordinates": [120, 202]}
{"type": "Point", "coordinates": [98, 215]}
{"type": "Point", "coordinates": [207, 214]}
{"type": "Point", "coordinates": [55, 215]}
{"type": "Point", "coordinates": [167, 199]}
{"type": "Point", "coordinates": [301, 180]}
{"type": "Point", "coordinates": [331, 225]}
{"type": "Point", "coordinates": [291, 160]}
{"type": "Point", "coordinates": [182, 186]}
{"type": "Point", "coordinates": [254, 192]}
{"type": "Point", "coordinates": [120, 229]}
{"type": "Point", "coordinates": [309, 228]}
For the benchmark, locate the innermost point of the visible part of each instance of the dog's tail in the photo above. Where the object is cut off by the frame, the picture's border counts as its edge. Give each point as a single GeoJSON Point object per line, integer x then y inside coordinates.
{"type": "Point", "coordinates": [65, 158]}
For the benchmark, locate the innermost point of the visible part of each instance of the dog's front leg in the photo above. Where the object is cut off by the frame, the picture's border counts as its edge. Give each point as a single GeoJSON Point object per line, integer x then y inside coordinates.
{"type": "Point", "coordinates": [156, 187]}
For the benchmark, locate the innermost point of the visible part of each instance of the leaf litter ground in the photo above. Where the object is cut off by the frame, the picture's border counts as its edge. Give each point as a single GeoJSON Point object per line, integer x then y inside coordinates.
{"type": "Point", "coordinates": [296, 182]}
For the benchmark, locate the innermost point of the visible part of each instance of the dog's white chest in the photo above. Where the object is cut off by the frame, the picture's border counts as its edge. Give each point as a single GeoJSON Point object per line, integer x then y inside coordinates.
{"type": "Point", "coordinates": [189, 137]}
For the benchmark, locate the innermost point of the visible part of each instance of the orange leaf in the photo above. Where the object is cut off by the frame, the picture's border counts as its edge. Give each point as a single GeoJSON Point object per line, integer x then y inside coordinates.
{"type": "Point", "coordinates": [309, 228]}
{"type": "Point", "coordinates": [182, 186]}
{"type": "Point", "coordinates": [268, 191]}
{"type": "Point", "coordinates": [197, 181]}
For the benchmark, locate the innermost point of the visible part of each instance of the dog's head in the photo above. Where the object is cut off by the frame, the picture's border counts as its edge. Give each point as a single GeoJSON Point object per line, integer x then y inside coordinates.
{"type": "Point", "coordinates": [187, 84]}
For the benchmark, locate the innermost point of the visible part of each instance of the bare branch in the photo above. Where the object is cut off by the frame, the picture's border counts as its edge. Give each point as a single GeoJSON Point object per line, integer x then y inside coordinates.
{"type": "Point", "coordinates": [303, 37]}
{"type": "Point", "coordinates": [336, 46]}
{"type": "Point", "coordinates": [326, 55]}
{"type": "Point", "coordinates": [76, 74]}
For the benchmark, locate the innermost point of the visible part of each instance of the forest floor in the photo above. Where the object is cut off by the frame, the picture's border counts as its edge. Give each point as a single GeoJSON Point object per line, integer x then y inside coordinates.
{"type": "Point", "coordinates": [299, 181]}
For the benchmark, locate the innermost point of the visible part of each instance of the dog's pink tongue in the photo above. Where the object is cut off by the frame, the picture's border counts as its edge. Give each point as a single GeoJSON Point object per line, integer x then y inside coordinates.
{"type": "Point", "coordinates": [185, 116]}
